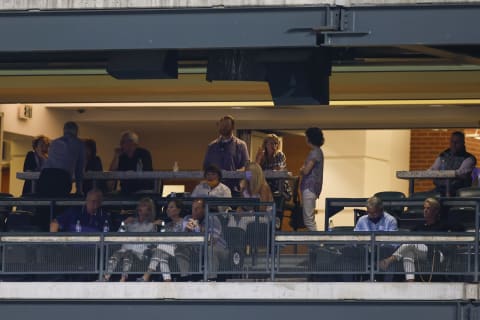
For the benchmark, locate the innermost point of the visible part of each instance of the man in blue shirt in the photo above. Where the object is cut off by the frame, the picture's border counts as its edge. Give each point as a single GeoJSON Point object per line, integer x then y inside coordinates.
{"type": "Point", "coordinates": [88, 218]}
{"type": "Point", "coordinates": [376, 218]}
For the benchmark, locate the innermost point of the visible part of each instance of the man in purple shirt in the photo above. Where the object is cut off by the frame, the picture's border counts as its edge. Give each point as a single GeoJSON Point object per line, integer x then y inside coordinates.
{"type": "Point", "coordinates": [227, 151]}
{"type": "Point", "coordinates": [88, 218]}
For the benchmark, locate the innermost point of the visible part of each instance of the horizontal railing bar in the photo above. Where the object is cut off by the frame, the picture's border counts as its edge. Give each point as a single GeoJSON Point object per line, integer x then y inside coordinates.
{"type": "Point", "coordinates": [50, 239]}
{"type": "Point", "coordinates": [162, 239]}
{"type": "Point", "coordinates": [327, 237]}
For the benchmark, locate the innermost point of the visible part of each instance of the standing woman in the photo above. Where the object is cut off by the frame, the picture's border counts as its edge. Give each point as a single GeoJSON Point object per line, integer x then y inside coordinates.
{"type": "Point", "coordinates": [35, 159]}
{"type": "Point", "coordinates": [269, 157]}
{"type": "Point", "coordinates": [312, 176]}
{"type": "Point", "coordinates": [92, 163]}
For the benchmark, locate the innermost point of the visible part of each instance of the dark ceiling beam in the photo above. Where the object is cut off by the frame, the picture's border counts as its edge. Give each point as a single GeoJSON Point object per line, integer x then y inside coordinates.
{"type": "Point", "coordinates": [395, 25]}
{"type": "Point", "coordinates": [161, 29]}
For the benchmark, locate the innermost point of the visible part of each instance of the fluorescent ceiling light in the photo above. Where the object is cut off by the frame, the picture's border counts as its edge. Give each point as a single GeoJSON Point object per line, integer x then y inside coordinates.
{"type": "Point", "coordinates": [191, 104]}
{"type": "Point", "coordinates": [82, 72]}
{"type": "Point", "coordinates": [403, 102]}
{"type": "Point", "coordinates": [475, 135]}
{"type": "Point", "coordinates": [405, 68]}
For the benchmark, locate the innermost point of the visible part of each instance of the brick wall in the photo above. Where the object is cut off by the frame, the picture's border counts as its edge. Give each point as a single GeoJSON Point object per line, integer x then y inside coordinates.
{"type": "Point", "coordinates": [426, 144]}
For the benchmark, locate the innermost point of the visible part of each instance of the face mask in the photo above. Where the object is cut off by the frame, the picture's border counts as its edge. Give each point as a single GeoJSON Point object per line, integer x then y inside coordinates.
{"type": "Point", "coordinates": [212, 183]}
{"type": "Point", "coordinates": [248, 175]}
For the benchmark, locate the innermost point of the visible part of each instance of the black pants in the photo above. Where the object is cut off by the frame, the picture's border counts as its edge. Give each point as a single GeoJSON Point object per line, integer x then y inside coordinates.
{"type": "Point", "coordinates": [52, 183]}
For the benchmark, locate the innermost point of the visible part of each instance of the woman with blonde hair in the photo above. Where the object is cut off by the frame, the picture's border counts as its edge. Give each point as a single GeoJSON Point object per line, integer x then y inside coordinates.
{"type": "Point", "coordinates": [130, 252]}
{"type": "Point", "coordinates": [255, 186]}
{"type": "Point", "coordinates": [270, 157]}
{"type": "Point", "coordinates": [163, 251]}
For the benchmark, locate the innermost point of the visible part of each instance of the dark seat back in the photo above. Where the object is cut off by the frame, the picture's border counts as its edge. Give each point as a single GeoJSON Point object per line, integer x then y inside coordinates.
{"type": "Point", "coordinates": [417, 211]}
{"type": "Point", "coordinates": [469, 192]}
{"type": "Point", "coordinates": [391, 196]}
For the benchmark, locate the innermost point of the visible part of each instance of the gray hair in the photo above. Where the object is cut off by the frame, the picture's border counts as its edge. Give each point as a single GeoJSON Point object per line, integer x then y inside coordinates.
{"type": "Point", "coordinates": [375, 203]}
{"type": "Point", "coordinates": [95, 191]}
{"type": "Point", "coordinates": [130, 135]}
{"type": "Point", "coordinates": [71, 128]}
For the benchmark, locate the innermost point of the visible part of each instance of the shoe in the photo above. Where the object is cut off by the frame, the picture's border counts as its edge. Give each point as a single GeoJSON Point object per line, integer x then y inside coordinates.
{"type": "Point", "coordinates": [141, 279]}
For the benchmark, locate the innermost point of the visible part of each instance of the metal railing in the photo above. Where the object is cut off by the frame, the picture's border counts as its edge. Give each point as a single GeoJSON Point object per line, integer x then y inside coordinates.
{"type": "Point", "coordinates": [250, 247]}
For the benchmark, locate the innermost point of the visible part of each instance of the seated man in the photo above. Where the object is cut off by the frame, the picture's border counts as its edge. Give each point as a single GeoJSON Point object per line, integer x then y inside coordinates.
{"type": "Point", "coordinates": [217, 245]}
{"type": "Point", "coordinates": [377, 219]}
{"type": "Point", "coordinates": [410, 253]}
{"type": "Point", "coordinates": [88, 218]}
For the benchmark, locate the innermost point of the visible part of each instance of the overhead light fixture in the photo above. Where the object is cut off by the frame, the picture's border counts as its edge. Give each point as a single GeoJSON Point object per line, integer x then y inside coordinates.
{"type": "Point", "coordinates": [182, 104]}
{"type": "Point", "coordinates": [475, 135]}
{"type": "Point", "coordinates": [435, 103]}
{"type": "Point", "coordinates": [403, 68]}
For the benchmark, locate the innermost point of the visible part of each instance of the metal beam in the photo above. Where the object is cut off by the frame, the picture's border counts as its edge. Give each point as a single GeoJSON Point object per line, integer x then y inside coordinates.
{"type": "Point", "coordinates": [407, 25]}
{"type": "Point", "coordinates": [161, 29]}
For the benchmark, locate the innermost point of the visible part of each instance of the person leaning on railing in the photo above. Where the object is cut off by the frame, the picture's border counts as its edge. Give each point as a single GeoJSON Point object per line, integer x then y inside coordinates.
{"type": "Point", "coordinates": [455, 158]}
{"type": "Point", "coordinates": [270, 157]}
{"type": "Point", "coordinates": [412, 253]}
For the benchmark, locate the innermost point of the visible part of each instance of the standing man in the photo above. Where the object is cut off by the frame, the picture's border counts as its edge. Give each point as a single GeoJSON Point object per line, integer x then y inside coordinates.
{"type": "Point", "coordinates": [227, 151]}
{"type": "Point", "coordinates": [130, 157]}
{"type": "Point", "coordinates": [455, 158]}
{"type": "Point", "coordinates": [66, 158]}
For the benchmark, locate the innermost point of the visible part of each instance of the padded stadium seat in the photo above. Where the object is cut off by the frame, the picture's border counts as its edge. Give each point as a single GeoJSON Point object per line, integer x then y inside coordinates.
{"type": "Point", "coordinates": [469, 192]}
{"type": "Point", "coordinates": [236, 244]}
{"type": "Point", "coordinates": [392, 196]}
{"type": "Point", "coordinates": [21, 221]}
{"type": "Point", "coordinates": [464, 216]}
{"type": "Point", "coordinates": [420, 196]}
{"type": "Point", "coordinates": [4, 210]}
